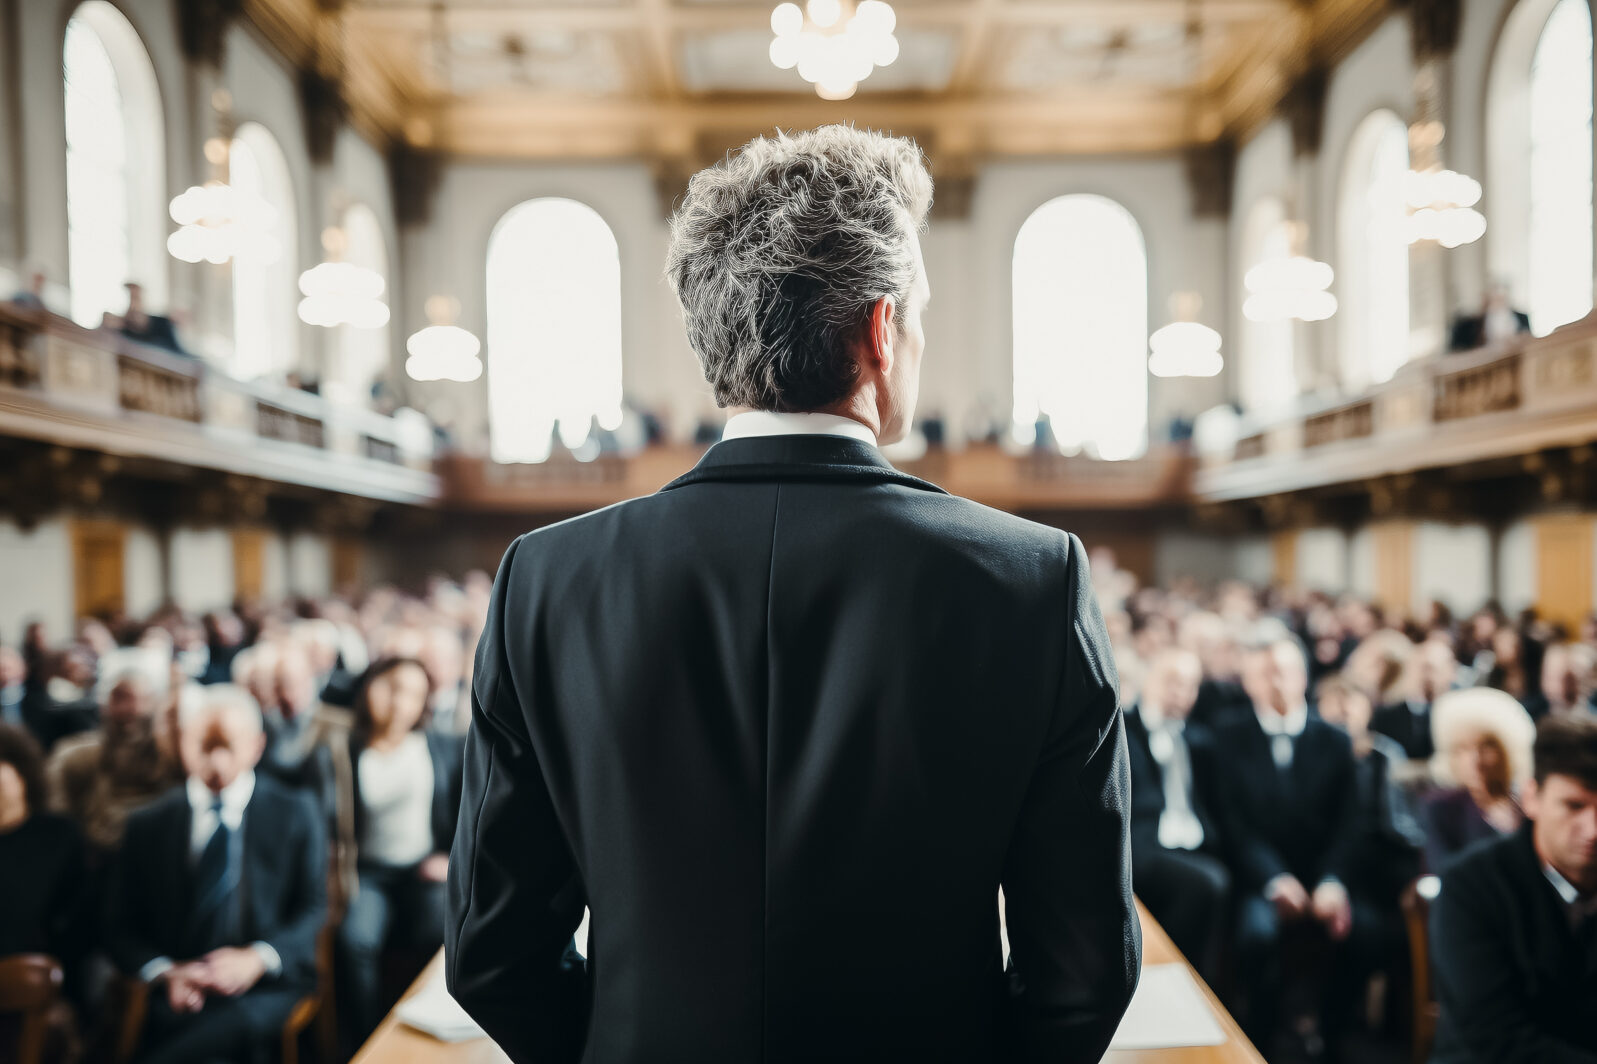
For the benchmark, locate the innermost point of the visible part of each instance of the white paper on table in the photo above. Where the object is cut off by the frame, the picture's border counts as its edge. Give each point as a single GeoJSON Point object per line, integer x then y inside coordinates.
{"type": "Point", "coordinates": [432, 1011]}
{"type": "Point", "coordinates": [1168, 1010]}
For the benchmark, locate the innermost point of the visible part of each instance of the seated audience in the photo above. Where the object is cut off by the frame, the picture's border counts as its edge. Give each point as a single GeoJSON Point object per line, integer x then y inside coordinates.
{"type": "Point", "coordinates": [1175, 841]}
{"type": "Point", "coordinates": [1483, 745]}
{"type": "Point", "coordinates": [98, 778]}
{"type": "Point", "coordinates": [13, 687]}
{"type": "Point", "coordinates": [1496, 321]}
{"type": "Point", "coordinates": [219, 893]}
{"type": "Point", "coordinates": [1567, 676]}
{"type": "Point", "coordinates": [1514, 929]}
{"type": "Point", "coordinates": [1431, 671]}
{"type": "Point", "coordinates": [41, 855]}
{"type": "Point", "coordinates": [396, 811]}
{"type": "Point", "coordinates": [30, 297]}
{"type": "Point", "coordinates": [1290, 819]}
{"type": "Point", "coordinates": [139, 324]}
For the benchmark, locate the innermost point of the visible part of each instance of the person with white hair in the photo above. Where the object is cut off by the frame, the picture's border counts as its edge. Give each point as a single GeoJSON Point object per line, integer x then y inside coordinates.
{"type": "Point", "coordinates": [1483, 739]}
{"type": "Point", "coordinates": [219, 892]}
{"type": "Point", "coordinates": [807, 713]}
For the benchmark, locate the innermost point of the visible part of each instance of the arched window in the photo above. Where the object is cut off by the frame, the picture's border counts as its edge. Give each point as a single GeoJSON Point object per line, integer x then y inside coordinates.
{"type": "Point", "coordinates": [265, 287]}
{"type": "Point", "coordinates": [361, 355]}
{"type": "Point", "coordinates": [1539, 161]}
{"type": "Point", "coordinates": [1372, 265]}
{"type": "Point", "coordinates": [116, 146]}
{"type": "Point", "coordinates": [1081, 326]}
{"type": "Point", "coordinates": [554, 328]}
{"type": "Point", "coordinates": [1268, 375]}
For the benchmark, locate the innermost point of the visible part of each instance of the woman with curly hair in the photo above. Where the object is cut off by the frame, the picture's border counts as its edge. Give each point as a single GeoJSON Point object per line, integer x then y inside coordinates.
{"type": "Point", "coordinates": [1483, 742]}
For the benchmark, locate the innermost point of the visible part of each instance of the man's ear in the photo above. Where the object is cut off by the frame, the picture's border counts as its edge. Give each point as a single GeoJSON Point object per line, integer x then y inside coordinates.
{"type": "Point", "coordinates": [1530, 798]}
{"type": "Point", "coordinates": [883, 334]}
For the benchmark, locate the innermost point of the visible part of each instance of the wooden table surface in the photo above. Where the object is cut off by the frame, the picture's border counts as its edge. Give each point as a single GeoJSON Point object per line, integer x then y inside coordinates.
{"type": "Point", "coordinates": [394, 1043]}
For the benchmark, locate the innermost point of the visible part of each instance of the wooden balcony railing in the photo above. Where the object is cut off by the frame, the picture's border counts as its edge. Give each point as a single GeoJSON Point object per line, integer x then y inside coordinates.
{"type": "Point", "coordinates": [1514, 398]}
{"type": "Point", "coordinates": [96, 390]}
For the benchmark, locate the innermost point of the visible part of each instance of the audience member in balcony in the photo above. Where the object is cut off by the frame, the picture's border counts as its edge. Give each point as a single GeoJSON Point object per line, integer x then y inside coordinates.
{"type": "Point", "coordinates": [1514, 929]}
{"type": "Point", "coordinates": [1566, 681]}
{"type": "Point", "coordinates": [219, 893]}
{"type": "Point", "coordinates": [13, 688]}
{"type": "Point", "coordinates": [42, 886]}
{"type": "Point", "coordinates": [1291, 822]}
{"type": "Point", "coordinates": [1431, 671]}
{"type": "Point", "coordinates": [32, 296]}
{"type": "Point", "coordinates": [1497, 321]}
{"type": "Point", "coordinates": [99, 778]}
{"type": "Point", "coordinates": [396, 812]}
{"type": "Point", "coordinates": [139, 324]}
{"type": "Point", "coordinates": [1483, 753]}
{"type": "Point", "coordinates": [1175, 838]}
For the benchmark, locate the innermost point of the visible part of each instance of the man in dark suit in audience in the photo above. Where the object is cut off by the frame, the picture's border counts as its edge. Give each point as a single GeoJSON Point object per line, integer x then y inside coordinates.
{"type": "Point", "coordinates": [1175, 840]}
{"type": "Point", "coordinates": [1514, 930]}
{"type": "Point", "coordinates": [1433, 671]}
{"type": "Point", "coordinates": [1290, 818]}
{"type": "Point", "coordinates": [219, 894]}
{"type": "Point", "coordinates": [803, 714]}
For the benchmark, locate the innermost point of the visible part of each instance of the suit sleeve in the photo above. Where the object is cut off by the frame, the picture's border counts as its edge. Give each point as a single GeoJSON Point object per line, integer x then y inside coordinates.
{"type": "Point", "coordinates": [1256, 861]}
{"type": "Point", "coordinates": [1075, 940]}
{"type": "Point", "coordinates": [514, 895]}
{"type": "Point", "coordinates": [127, 912]}
{"type": "Point", "coordinates": [1481, 986]}
{"type": "Point", "coordinates": [306, 910]}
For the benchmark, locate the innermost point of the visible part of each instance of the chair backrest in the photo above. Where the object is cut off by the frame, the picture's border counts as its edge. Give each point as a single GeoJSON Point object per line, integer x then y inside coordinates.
{"type": "Point", "coordinates": [30, 983]}
{"type": "Point", "coordinates": [1417, 898]}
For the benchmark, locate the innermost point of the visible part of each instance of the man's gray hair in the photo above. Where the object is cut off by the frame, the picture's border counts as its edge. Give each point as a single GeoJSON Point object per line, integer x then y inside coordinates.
{"type": "Point", "coordinates": [196, 703]}
{"type": "Point", "coordinates": [779, 251]}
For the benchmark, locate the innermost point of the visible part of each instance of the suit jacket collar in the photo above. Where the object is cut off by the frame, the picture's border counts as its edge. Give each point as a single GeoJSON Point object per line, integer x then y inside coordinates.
{"type": "Point", "coordinates": [808, 457]}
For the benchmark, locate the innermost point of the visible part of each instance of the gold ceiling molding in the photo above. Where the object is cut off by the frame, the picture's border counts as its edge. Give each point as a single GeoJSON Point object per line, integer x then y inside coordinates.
{"type": "Point", "coordinates": [605, 79]}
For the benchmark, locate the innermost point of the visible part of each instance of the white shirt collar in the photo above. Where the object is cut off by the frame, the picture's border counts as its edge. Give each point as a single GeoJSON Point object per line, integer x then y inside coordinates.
{"type": "Point", "coordinates": [1292, 724]}
{"type": "Point", "coordinates": [770, 423]}
{"type": "Point", "coordinates": [235, 796]}
{"type": "Point", "coordinates": [1565, 888]}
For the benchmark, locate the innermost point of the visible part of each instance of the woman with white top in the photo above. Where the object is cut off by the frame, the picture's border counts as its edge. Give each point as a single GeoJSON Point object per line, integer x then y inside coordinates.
{"type": "Point", "coordinates": [399, 800]}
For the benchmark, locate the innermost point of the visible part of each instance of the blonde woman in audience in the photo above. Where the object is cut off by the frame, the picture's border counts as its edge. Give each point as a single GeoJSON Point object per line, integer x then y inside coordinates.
{"type": "Point", "coordinates": [1483, 740]}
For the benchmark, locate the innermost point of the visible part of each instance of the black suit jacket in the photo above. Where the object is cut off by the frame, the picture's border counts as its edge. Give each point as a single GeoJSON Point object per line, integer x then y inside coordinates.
{"type": "Point", "coordinates": [1515, 984]}
{"type": "Point", "coordinates": [785, 726]}
{"type": "Point", "coordinates": [1147, 783]}
{"type": "Point", "coordinates": [1411, 730]}
{"type": "Point", "coordinates": [284, 881]}
{"type": "Point", "coordinates": [1304, 820]}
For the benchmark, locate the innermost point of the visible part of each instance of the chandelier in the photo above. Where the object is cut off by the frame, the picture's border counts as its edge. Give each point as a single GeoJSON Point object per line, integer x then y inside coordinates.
{"type": "Point", "coordinates": [1185, 348]}
{"type": "Point", "coordinates": [443, 351]}
{"type": "Point", "coordinates": [341, 293]}
{"type": "Point", "coordinates": [1293, 286]}
{"type": "Point", "coordinates": [1440, 202]}
{"type": "Point", "coordinates": [835, 44]}
{"type": "Point", "coordinates": [218, 222]}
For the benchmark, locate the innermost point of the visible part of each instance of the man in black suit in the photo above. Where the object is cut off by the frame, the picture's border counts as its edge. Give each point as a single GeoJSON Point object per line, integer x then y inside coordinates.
{"type": "Point", "coordinates": [219, 893]}
{"type": "Point", "coordinates": [1291, 824]}
{"type": "Point", "coordinates": [787, 725]}
{"type": "Point", "coordinates": [1432, 672]}
{"type": "Point", "coordinates": [1497, 320]}
{"type": "Point", "coordinates": [1175, 840]}
{"type": "Point", "coordinates": [1514, 930]}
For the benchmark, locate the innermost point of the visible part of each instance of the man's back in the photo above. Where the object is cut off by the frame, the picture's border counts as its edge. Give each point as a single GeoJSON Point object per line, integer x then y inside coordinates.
{"type": "Point", "coordinates": [784, 727]}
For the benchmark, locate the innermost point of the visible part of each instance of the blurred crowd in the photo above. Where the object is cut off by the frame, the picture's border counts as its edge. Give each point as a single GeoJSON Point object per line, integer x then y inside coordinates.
{"type": "Point", "coordinates": [335, 724]}
{"type": "Point", "coordinates": [1302, 762]}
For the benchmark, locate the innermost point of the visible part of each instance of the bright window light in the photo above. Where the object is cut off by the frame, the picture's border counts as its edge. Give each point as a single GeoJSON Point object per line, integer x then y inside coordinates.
{"type": "Point", "coordinates": [554, 328]}
{"type": "Point", "coordinates": [1081, 327]}
{"type": "Point", "coordinates": [1374, 323]}
{"type": "Point", "coordinates": [1560, 258]}
{"type": "Point", "coordinates": [265, 327]}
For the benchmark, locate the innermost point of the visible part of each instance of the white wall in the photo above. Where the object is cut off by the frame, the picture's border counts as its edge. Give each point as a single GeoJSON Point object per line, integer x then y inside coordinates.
{"type": "Point", "coordinates": [310, 564]}
{"type": "Point", "coordinates": [36, 573]}
{"type": "Point", "coordinates": [1452, 564]}
{"type": "Point", "coordinates": [143, 573]}
{"type": "Point", "coordinates": [201, 568]}
{"type": "Point", "coordinates": [1322, 559]}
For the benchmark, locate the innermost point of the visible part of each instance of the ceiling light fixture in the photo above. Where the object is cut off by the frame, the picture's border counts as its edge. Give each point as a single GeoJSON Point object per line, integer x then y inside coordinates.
{"type": "Point", "coordinates": [1293, 286]}
{"type": "Point", "coordinates": [1440, 202]}
{"type": "Point", "coordinates": [834, 44]}
{"type": "Point", "coordinates": [443, 351]}
{"type": "Point", "coordinates": [341, 293]}
{"type": "Point", "coordinates": [1185, 348]}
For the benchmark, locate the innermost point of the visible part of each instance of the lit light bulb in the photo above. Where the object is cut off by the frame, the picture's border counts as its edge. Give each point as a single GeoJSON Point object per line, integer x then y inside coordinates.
{"type": "Point", "coordinates": [787, 20]}
{"type": "Point", "coordinates": [785, 52]}
{"type": "Point", "coordinates": [825, 13]}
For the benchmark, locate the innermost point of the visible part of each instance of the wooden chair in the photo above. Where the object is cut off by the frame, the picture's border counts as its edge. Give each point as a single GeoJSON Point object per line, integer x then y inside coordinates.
{"type": "Point", "coordinates": [130, 997]}
{"type": "Point", "coordinates": [1425, 1012]}
{"type": "Point", "coordinates": [30, 985]}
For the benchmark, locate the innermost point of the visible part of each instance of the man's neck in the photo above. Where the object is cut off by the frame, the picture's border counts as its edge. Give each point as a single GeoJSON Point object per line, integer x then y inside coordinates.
{"type": "Point", "coordinates": [1585, 882]}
